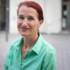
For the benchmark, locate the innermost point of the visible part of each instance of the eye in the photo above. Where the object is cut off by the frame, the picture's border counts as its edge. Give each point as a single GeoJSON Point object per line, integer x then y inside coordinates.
{"type": "Point", "coordinates": [21, 17]}
{"type": "Point", "coordinates": [30, 18]}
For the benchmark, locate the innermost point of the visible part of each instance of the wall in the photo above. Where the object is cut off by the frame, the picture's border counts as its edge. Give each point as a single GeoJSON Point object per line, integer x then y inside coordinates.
{"type": "Point", "coordinates": [53, 16]}
{"type": "Point", "coordinates": [13, 16]}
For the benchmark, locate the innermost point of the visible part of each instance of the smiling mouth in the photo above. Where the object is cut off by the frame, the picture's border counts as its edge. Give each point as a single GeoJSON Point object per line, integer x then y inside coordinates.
{"type": "Point", "coordinates": [24, 29]}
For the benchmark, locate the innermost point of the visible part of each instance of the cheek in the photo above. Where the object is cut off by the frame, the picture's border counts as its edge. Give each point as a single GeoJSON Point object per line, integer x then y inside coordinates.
{"type": "Point", "coordinates": [35, 27]}
{"type": "Point", "coordinates": [18, 23]}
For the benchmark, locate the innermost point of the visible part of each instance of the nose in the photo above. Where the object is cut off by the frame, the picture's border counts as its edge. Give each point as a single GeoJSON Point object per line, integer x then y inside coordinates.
{"type": "Point", "coordinates": [25, 22]}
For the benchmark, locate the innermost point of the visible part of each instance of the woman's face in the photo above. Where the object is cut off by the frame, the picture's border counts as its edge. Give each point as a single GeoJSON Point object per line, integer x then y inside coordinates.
{"type": "Point", "coordinates": [27, 21]}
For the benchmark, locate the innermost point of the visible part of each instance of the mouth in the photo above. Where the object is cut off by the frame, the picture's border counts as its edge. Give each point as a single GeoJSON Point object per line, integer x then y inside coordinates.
{"type": "Point", "coordinates": [24, 29]}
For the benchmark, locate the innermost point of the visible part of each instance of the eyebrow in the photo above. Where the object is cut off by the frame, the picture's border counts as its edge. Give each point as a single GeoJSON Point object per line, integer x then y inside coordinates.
{"type": "Point", "coordinates": [29, 17]}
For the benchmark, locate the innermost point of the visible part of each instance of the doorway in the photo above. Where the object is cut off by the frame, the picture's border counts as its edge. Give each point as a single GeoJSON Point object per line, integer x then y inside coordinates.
{"type": "Point", "coordinates": [66, 15]}
{"type": "Point", "coordinates": [2, 15]}
{"type": "Point", "coordinates": [4, 18]}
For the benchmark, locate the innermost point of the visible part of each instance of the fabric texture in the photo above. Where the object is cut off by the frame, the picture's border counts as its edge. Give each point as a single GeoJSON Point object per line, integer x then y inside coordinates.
{"type": "Point", "coordinates": [42, 56]}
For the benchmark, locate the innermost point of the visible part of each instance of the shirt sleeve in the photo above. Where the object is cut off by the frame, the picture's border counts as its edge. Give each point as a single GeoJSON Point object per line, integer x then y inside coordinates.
{"type": "Point", "coordinates": [50, 61]}
{"type": "Point", "coordinates": [8, 60]}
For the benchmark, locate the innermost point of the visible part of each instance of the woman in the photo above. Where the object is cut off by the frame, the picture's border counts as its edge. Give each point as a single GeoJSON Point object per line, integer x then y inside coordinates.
{"type": "Point", "coordinates": [31, 51]}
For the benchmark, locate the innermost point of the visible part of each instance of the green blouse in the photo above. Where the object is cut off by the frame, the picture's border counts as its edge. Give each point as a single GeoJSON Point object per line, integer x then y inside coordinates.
{"type": "Point", "coordinates": [42, 56]}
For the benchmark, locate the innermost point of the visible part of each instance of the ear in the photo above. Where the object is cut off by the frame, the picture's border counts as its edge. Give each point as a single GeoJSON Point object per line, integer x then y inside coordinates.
{"type": "Point", "coordinates": [41, 21]}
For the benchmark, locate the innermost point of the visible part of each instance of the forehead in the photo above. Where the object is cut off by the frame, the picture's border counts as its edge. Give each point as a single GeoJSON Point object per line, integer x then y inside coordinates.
{"type": "Point", "coordinates": [27, 10]}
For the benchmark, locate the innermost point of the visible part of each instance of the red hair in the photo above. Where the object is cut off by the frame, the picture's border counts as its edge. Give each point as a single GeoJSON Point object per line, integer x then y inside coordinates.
{"type": "Point", "coordinates": [34, 5]}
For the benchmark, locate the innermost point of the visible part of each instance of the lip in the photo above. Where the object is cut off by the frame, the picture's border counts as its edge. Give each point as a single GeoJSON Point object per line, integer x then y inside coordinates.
{"type": "Point", "coordinates": [24, 29]}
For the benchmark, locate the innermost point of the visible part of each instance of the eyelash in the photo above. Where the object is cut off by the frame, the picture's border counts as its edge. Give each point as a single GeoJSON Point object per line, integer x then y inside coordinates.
{"type": "Point", "coordinates": [29, 18]}
{"type": "Point", "coordinates": [20, 17]}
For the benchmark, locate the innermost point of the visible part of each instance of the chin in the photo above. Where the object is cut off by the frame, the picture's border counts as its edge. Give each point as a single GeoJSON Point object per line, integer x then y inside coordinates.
{"type": "Point", "coordinates": [24, 34]}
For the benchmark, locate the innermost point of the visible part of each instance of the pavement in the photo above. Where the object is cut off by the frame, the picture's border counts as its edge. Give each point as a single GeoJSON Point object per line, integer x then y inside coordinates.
{"type": "Point", "coordinates": [61, 43]}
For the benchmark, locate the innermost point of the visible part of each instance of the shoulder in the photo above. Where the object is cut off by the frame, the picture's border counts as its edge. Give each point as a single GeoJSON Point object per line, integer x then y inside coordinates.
{"type": "Point", "coordinates": [47, 47]}
{"type": "Point", "coordinates": [14, 44]}
{"type": "Point", "coordinates": [49, 61]}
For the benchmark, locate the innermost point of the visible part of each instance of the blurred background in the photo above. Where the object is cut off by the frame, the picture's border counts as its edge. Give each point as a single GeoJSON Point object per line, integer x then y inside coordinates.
{"type": "Point", "coordinates": [55, 28]}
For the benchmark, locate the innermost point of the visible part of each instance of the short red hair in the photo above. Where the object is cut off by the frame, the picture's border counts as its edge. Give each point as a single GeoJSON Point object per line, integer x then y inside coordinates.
{"type": "Point", "coordinates": [34, 5]}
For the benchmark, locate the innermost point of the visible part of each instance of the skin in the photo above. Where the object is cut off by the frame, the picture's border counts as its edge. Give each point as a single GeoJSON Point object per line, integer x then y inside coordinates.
{"type": "Point", "coordinates": [28, 25]}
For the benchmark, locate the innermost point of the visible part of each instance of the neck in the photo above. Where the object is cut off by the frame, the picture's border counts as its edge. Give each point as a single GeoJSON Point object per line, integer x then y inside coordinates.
{"type": "Point", "coordinates": [29, 42]}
